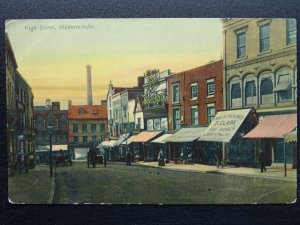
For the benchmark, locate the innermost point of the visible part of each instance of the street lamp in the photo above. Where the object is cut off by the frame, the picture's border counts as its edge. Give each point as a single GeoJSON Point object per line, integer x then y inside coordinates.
{"type": "Point", "coordinates": [50, 132]}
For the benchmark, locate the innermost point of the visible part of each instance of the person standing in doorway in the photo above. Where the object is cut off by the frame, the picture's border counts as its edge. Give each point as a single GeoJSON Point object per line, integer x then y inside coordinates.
{"type": "Point", "coordinates": [219, 157]}
{"type": "Point", "coordinates": [261, 159]}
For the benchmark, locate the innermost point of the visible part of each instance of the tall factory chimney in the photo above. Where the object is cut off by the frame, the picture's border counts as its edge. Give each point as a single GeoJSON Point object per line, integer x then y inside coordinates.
{"type": "Point", "coordinates": [89, 85]}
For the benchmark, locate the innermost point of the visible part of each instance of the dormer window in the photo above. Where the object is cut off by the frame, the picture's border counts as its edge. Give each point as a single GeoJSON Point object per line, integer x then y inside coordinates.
{"type": "Point", "coordinates": [95, 111]}
{"type": "Point", "coordinates": [81, 111]}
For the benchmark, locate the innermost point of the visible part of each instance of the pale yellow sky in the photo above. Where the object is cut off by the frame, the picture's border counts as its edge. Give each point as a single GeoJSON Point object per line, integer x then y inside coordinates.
{"type": "Point", "coordinates": [53, 60]}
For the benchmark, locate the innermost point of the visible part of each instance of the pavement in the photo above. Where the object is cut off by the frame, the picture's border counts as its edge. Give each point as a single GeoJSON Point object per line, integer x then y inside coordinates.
{"type": "Point", "coordinates": [272, 173]}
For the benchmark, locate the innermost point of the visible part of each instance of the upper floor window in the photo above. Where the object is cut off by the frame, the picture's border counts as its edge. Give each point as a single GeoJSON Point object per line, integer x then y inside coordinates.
{"type": "Point", "coordinates": [241, 45]}
{"type": "Point", "coordinates": [284, 87]}
{"type": "Point", "coordinates": [266, 86]}
{"type": "Point", "coordinates": [250, 89]}
{"type": "Point", "coordinates": [264, 37]}
{"type": "Point", "coordinates": [210, 87]}
{"type": "Point", "coordinates": [291, 31]}
{"type": "Point", "coordinates": [75, 139]}
{"type": "Point", "coordinates": [93, 128]}
{"type": "Point", "coordinates": [81, 111]}
{"type": "Point", "coordinates": [75, 128]}
{"type": "Point", "coordinates": [210, 112]}
{"type": "Point", "coordinates": [194, 90]}
{"type": "Point", "coordinates": [84, 139]}
{"type": "Point", "coordinates": [102, 128]}
{"type": "Point", "coordinates": [194, 111]}
{"type": "Point", "coordinates": [175, 93]}
{"type": "Point", "coordinates": [84, 128]}
{"type": "Point", "coordinates": [235, 91]}
{"type": "Point", "coordinates": [176, 119]}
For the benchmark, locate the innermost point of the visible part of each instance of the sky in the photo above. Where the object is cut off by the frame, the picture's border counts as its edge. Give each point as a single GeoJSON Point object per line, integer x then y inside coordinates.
{"type": "Point", "coordinates": [52, 54]}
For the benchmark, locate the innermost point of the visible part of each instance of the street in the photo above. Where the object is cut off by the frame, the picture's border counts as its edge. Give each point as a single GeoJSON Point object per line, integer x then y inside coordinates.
{"type": "Point", "coordinates": [121, 184]}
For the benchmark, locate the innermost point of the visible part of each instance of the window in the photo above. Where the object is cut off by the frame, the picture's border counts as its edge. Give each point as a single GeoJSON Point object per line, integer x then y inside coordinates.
{"type": "Point", "coordinates": [235, 91]}
{"type": "Point", "coordinates": [250, 89]}
{"type": "Point", "coordinates": [102, 128]}
{"type": "Point", "coordinates": [81, 111]}
{"type": "Point", "coordinates": [95, 111]}
{"type": "Point", "coordinates": [194, 110]}
{"type": "Point", "coordinates": [210, 112]}
{"type": "Point", "coordinates": [291, 31]}
{"type": "Point", "coordinates": [75, 138]}
{"type": "Point", "coordinates": [93, 128]}
{"type": "Point", "coordinates": [264, 38]}
{"type": "Point", "coordinates": [284, 88]}
{"type": "Point", "coordinates": [210, 87]}
{"type": "Point", "coordinates": [156, 124]}
{"type": "Point", "coordinates": [194, 90]}
{"type": "Point", "coordinates": [94, 139]}
{"type": "Point", "coordinates": [84, 128]}
{"type": "Point", "coordinates": [175, 93]}
{"type": "Point", "coordinates": [176, 119]}
{"type": "Point", "coordinates": [241, 45]}
{"type": "Point", "coordinates": [75, 128]}
{"type": "Point", "coordinates": [138, 126]}
{"type": "Point", "coordinates": [150, 124]}
{"type": "Point", "coordinates": [84, 139]}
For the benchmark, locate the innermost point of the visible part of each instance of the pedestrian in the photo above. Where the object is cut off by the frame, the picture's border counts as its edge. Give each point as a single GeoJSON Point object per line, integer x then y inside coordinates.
{"type": "Point", "coordinates": [160, 158]}
{"type": "Point", "coordinates": [128, 158]}
{"type": "Point", "coordinates": [219, 157]}
{"type": "Point", "coordinates": [105, 158]}
{"type": "Point", "coordinates": [19, 162]}
{"type": "Point", "coordinates": [88, 159]}
{"type": "Point", "coordinates": [261, 159]}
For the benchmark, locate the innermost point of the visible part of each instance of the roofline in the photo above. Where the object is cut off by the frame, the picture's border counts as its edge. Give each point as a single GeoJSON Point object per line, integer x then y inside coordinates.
{"type": "Point", "coordinates": [7, 40]}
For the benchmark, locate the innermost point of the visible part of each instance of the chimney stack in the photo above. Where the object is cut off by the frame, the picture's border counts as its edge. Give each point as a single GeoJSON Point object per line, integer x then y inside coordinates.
{"type": "Point", "coordinates": [69, 104]}
{"type": "Point", "coordinates": [89, 85]}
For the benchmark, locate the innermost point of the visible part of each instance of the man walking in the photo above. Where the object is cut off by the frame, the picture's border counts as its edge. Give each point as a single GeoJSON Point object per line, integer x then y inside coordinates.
{"type": "Point", "coordinates": [261, 159]}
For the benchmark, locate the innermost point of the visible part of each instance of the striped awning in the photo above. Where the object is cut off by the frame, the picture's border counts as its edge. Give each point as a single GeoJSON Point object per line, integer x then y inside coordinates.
{"type": "Point", "coordinates": [146, 136]}
{"type": "Point", "coordinates": [274, 126]}
{"type": "Point", "coordinates": [161, 139]}
{"type": "Point", "coordinates": [291, 137]}
{"type": "Point", "coordinates": [186, 134]}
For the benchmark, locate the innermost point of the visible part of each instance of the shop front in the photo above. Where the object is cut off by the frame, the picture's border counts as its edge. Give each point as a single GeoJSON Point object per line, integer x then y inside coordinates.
{"type": "Point", "coordinates": [119, 150]}
{"type": "Point", "coordinates": [227, 129]}
{"type": "Point", "coordinates": [142, 145]}
{"type": "Point", "coordinates": [157, 145]}
{"type": "Point", "coordinates": [126, 146]}
{"type": "Point", "coordinates": [183, 146]}
{"type": "Point", "coordinates": [270, 135]}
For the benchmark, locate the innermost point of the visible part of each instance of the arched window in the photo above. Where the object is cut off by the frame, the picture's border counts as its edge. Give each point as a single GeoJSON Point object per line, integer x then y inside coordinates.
{"type": "Point", "coordinates": [235, 91]}
{"type": "Point", "coordinates": [266, 86]}
{"type": "Point", "coordinates": [283, 85]}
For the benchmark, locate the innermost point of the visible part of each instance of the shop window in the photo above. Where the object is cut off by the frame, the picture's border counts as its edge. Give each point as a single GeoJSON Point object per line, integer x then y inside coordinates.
{"type": "Point", "coordinates": [291, 31]}
{"type": "Point", "coordinates": [175, 93]}
{"type": "Point", "coordinates": [210, 87]}
{"type": "Point", "coordinates": [194, 111]}
{"type": "Point", "coordinates": [176, 119]}
{"type": "Point", "coordinates": [210, 112]}
{"type": "Point", "coordinates": [241, 45]}
{"type": "Point", "coordinates": [194, 90]}
{"type": "Point", "coordinates": [264, 37]}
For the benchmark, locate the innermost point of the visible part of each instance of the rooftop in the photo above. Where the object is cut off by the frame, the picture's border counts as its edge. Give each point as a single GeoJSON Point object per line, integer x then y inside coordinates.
{"type": "Point", "coordinates": [87, 112]}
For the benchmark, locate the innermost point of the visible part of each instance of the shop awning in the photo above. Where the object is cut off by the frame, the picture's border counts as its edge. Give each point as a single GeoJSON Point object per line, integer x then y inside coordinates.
{"type": "Point", "coordinates": [54, 147]}
{"type": "Point", "coordinates": [161, 139]}
{"type": "Point", "coordinates": [187, 134]}
{"type": "Point", "coordinates": [274, 126]}
{"type": "Point", "coordinates": [122, 138]}
{"type": "Point", "coordinates": [102, 144]}
{"type": "Point", "coordinates": [111, 143]}
{"type": "Point", "coordinates": [128, 141]}
{"type": "Point", "coordinates": [291, 137]}
{"type": "Point", "coordinates": [225, 125]}
{"type": "Point", "coordinates": [146, 136]}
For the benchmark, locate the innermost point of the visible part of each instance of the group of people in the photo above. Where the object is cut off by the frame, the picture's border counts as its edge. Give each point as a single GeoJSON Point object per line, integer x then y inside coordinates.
{"type": "Point", "coordinates": [92, 158]}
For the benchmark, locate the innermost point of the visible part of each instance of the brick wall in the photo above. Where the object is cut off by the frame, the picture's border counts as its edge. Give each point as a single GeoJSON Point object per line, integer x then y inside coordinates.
{"type": "Point", "coordinates": [185, 79]}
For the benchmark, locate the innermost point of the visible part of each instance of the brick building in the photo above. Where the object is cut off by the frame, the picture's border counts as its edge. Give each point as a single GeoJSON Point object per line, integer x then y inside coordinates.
{"type": "Point", "coordinates": [195, 95]}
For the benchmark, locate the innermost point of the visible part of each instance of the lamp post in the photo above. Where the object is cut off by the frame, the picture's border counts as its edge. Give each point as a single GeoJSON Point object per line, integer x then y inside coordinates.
{"type": "Point", "coordinates": [284, 155]}
{"type": "Point", "coordinates": [50, 132]}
